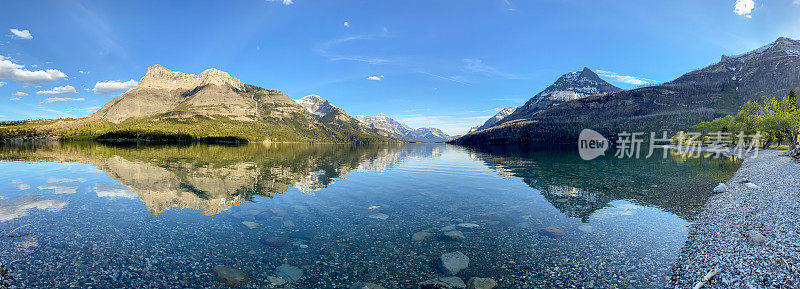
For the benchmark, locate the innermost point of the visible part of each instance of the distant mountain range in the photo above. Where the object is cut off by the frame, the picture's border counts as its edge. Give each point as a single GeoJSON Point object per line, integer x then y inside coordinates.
{"type": "Point", "coordinates": [701, 95]}
{"type": "Point", "coordinates": [211, 106]}
{"type": "Point", "coordinates": [403, 131]}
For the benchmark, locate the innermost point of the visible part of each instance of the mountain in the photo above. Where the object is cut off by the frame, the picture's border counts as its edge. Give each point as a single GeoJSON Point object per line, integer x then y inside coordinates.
{"type": "Point", "coordinates": [316, 104]}
{"type": "Point", "coordinates": [331, 115]}
{"type": "Point", "coordinates": [570, 86]}
{"type": "Point", "coordinates": [212, 105]}
{"type": "Point", "coordinates": [495, 119]}
{"type": "Point", "coordinates": [403, 131]}
{"type": "Point", "coordinates": [701, 95]}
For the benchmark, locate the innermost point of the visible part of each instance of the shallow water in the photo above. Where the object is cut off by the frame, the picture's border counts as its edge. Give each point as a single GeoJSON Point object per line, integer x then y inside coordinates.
{"type": "Point", "coordinates": [161, 216]}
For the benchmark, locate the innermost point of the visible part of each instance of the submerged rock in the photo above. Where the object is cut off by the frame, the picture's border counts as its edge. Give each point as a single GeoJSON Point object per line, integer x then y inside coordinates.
{"type": "Point", "coordinates": [379, 216]}
{"type": "Point", "coordinates": [362, 285]}
{"type": "Point", "coordinates": [469, 226]}
{"type": "Point", "coordinates": [755, 237]}
{"type": "Point", "coordinates": [230, 276]}
{"type": "Point", "coordinates": [443, 283]}
{"type": "Point", "coordinates": [276, 280]}
{"type": "Point", "coordinates": [452, 263]}
{"type": "Point", "coordinates": [249, 224]}
{"type": "Point", "coordinates": [454, 235]}
{"type": "Point", "coordinates": [481, 283]}
{"type": "Point", "coordinates": [721, 188]}
{"type": "Point", "coordinates": [420, 236]}
{"type": "Point", "coordinates": [274, 241]}
{"type": "Point", "coordinates": [552, 231]}
{"type": "Point", "coordinates": [289, 273]}
{"type": "Point", "coordinates": [449, 228]}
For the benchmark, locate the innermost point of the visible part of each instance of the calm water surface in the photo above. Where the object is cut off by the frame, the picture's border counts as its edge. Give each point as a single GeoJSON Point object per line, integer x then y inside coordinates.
{"type": "Point", "coordinates": [162, 216]}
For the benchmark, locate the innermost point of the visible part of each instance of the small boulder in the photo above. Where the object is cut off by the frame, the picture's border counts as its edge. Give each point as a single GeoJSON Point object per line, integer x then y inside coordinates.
{"type": "Point", "coordinates": [230, 276]}
{"type": "Point", "coordinates": [454, 235]}
{"type": "Point", "coordinates": [274, 241]}
{"type": "Point", "coordinates": [276, 280]}
{"type": "Point", "coordinates": [721, 188]}
{"type": "Point", "coordinates": [481, 283]}
{"type": "Point", "coordinates": [443, 283]}
{"type": "Point", "coordinates": [751, 186]}
{"type": "Point", "coordinates": [449, 228]}
{"type": "Point", "coordinates": [469, 226]}
{"type": "Point", "coordinates": [289, 273]}
{"type": "Point", "coordinates": [420, 236]}
{"type": "Point", "coordinates": [755, 237]}
{"type": "Point", "coordinates": [362, 285]}
{"type": "Point", "coordinates": [552, 231]}
{"type": "Point", "coordinates": [452, 263]}
{"type": "Point", "coordinates": [379, 216]}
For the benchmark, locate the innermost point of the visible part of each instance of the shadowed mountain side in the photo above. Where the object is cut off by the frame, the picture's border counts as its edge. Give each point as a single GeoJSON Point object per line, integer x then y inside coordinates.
{"type": "Point", "coordinates": [701, 95]}
{"type": "Point", "coordinates": [214, 178]}
{"type": "Point", "coordinates": [579, 188]}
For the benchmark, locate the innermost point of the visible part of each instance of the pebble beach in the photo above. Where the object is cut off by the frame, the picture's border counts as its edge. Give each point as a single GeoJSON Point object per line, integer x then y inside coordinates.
{"type": "Point", "coordinates": [749, 233]}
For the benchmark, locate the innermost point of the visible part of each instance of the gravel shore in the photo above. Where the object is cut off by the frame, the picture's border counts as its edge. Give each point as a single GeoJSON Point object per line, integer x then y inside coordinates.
{"type": "Point", "coordinates": [749, 234]}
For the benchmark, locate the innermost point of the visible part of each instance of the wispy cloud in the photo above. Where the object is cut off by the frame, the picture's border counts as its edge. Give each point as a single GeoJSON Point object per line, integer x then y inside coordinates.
{"type": "Point", "coordinates": [634, 80]}
{"type": "Point", "coordinates": [2, 83]}
{"type": "Point", "coordinates": [20, 93]}
{"type": "Point", "coordinates": [15, 98]}
{"type": "Point", "coordinates": [24, 34]}
{"type": "Point", "coordinates": [328, 50]}
{"type": "Point", "coordinates": [374, 77]}
{"type": "Point", "coordinates": [744, 7]}
{"type": "Point", "coordinates": [346, 24]}
{"type": "Point", "coordinates": [58, 90]}
{"type": "Point", "coordinates": [474, 65]}
{"type": "Point", "coordinates": [57, 99]}
{"type": "Point", "coordinates": [113, 86]}
{"type": "Point", "coordinates": [455, 79]}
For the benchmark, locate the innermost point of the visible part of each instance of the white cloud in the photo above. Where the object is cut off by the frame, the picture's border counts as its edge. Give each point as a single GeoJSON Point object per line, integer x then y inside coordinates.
{"type": "Point", "coordinates": [55, 99]}
{"type": "Point", "coordinates": [373, 77]}
{"type": "Point", "coordinates": [625, 78]}
{"type": "Point", "coordinates": [83, 72]}
{"type": "Point", "coordinates": [24, 34]}
{"type": "Point", "coordinates": [15, 98]}
{"type": "Point", "coordinates": [58, 90]}
{"type": "Point", "coordinates": [17, 72]}
{"type": "Point", "coordinates": [113, 86]}
{"type": "Point", "coordinates": [796, 2]}
{"type": "Point", "coordinates": [2, 83]}
{"type": "Point", "coordinates": [285, 2]}
{"type": "Point", "coordinates": [744, 7]}
{"type": "Point", "coordinates": [20, 93]}
{"type": "Point", "coordinates": [347, 24]}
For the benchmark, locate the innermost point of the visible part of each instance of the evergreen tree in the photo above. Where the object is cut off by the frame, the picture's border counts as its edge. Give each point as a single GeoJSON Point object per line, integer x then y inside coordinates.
{"type": "Point", "coordinates": [792, 98]}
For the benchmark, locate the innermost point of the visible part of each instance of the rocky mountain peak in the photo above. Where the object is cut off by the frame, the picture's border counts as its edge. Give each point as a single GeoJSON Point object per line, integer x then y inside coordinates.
{"type": "Point", "coordinates": [570, 86]}
{"type": "Point", "coordinates": [159, 77]}
{"type": "Point", "coordinates": [316, 104]}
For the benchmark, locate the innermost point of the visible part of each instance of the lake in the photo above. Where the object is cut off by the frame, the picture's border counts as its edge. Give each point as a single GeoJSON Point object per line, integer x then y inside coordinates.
{"type": "Point", "coordinates": [328, 216]}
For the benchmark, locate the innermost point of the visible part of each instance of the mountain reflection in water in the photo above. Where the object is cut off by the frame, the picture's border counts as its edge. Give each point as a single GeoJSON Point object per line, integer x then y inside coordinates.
{"type": "Point", "coordinates": [113, 216]}
{"type": "Point", "coordinates": [213, 178]}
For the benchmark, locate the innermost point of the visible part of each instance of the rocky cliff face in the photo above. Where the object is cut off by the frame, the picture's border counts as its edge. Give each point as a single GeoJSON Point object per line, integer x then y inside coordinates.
{"type": "Point", "coordinates": [316, 104]}
{"type": "Point", "coordinates": [570, 86]}
{"type": "Point", "coordinates": [180, 95]}
{"type": "Point", "coordinates": [701, 95]}
{"type": "Point", "coordinates": [403, 131]}
{"type": "Point", "coordinates": [495, 119]}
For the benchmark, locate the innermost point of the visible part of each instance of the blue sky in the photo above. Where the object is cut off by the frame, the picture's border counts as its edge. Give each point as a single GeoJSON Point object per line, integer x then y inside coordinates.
{"type": "Point", "coordinates": [445, 64]}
